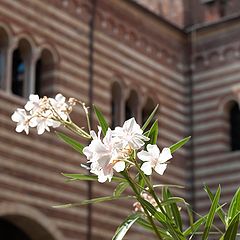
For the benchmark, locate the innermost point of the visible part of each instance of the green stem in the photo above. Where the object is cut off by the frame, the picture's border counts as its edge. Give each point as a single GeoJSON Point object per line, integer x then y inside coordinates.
{"type": "Point", "coordinates": [73, 127]}
{"type": "Point", "coordinates": [152, 192]}
{"type": "Point", "coordinates": [131, 183]}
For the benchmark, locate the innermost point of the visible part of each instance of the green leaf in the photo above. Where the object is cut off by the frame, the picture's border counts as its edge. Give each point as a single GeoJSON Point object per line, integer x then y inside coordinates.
{"type": "Point", "coordinates": [149, 118]}
{"type": "Point", "coordinates": [125, 226]}
{"type": "Point", "coordinates": [174, 209]}
{"type": "Point", "coordinates": [153, 133]}
{"type": "Point", "coordinates": [211, 214]}
{"type": "Point", "coordinates": [163, 220]}
{"type": "Point", "coordinates": [158, 215]}
{"type": "Point", "coordinates": [70, 141]}
{"type": "Point", "coordinates": [141, 181]}
{"type": "Point", "coordinates": [101, 120]}
{"type": "Point", "coordinates": [220, 212]}
{"type": "Point", "coordinates": [234, 207]}
{"type": "Point", "coordinates": [165, 198]}
{"type": "Point", "coordinates": [167, 185]}
{"type": "Point", "coordinates": [195, 226]}
{"type": "Point", "coordinates": [85, 177]}
{"type": "Point", "coordinates": [164, 233]}
{"type": "Point", "coordinates": [120, 188]}
{"type": "Point", "coordinates": [94, 200]}
{"type": "Point", "coordinates": [232, 229]}
{"type": "Point", "coordinates": [179, 144]}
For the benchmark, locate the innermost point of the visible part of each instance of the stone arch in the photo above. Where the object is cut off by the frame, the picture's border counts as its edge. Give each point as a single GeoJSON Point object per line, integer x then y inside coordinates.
{"type": "Point", "coordinates": [147, 110]}
{"type": "Point", "coordinates": [132, 106]}
{"type": "Point", "coordinates": [22, 81]}
{"type": "Point", "coordinates": [52, 50]}
{"type": "Point", "coordinates": [4, 45]}
{"type": "Point", "coordinates": [229, 115]}
{"type": "Point", "coordinates": [44, 71]}
{"type": "Point", "coordinates": [30, 221]}
{"type": "Point", "coordinates": [225, 102]}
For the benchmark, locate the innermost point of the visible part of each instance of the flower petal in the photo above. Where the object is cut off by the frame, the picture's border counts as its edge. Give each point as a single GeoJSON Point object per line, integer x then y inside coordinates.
{"type": "Point", "coordinates": [160, 168]}
{"type": "Point", "coordinates": [153, 150]}
{"type": "Point", "coordinates": [119, 166]}
{"type": "Point", "coordinates": [165, 155]}
{"type": "Point", "coordinates": [20, 128]}
{"type": "Point", "coordinates": [60, 98]}
{"type": "Point", "coordinates": [146, 168]}
{"type": "Point", "coordinates": [144, 156]}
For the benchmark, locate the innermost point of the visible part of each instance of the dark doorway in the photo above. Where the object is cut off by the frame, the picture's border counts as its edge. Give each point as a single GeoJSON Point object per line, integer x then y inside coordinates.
{"type": "Point", "coordinates": [9, 231]}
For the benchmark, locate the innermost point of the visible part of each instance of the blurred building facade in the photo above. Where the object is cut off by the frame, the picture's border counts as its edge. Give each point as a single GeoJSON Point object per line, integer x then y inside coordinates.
{"type": "Point", "coordinates": [125, 57]}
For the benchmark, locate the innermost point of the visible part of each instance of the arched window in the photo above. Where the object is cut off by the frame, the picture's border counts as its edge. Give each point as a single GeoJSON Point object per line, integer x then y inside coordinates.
{"type": "Point", "coordinates": [131, 106]}
{"type": "Point", "coordinates": [3, 51]}
{"type": "Point", "coordinates": [147, 110]}
{"type": "Point", "coordinates": [116, 104]}
{"type": "Point", "coordinates": [235, 126]}
{"type": "Point", "coordinates": [20, 69]}
{"type": "Point", "coordinates": [44, 73]}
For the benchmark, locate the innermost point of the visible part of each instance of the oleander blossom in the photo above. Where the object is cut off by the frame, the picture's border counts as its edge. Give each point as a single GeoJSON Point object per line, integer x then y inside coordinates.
{"type": "Point", "coordinates": [130, 134]}
{"type": "Point", "coordinates": [42, 113]}
{"type": "Point", "coordinates": [154, 159]}
{"type": "Point", "coordinates": [114, 149]}
{"type": "Point", "coordinates": [104, 156]}
{"type": "Point", "coordinates": [22, 119]}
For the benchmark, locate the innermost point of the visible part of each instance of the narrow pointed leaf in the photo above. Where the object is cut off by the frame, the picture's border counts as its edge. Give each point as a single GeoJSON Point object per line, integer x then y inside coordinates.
{"type": "Point", "coordinates": [220, 212]}
{"type": "Point", "coordinates": [125, 226]}
{"type": "Point", "coordinates": [174, 209]}
{"type": "Point", "coordinates": [165, 198]}
{"type": "Point", "coordinates": [141, 181]}
{"type": "Point", "coordinates": [173, 230]}
{"type": "Point", "coordinates": [211, 214]}
{"type": "Point", "coordinates": [70, 141]}
{"type": "Point", "coordinates": [234, 207]}
{"type": "Point", "coordinates": [94, 200]}
{"type": "Point", "coordinates": [85, 177]}
{"type": "Point", "coordinates": [232, 230]}
{"type": "Point", "coordinates": [121, 187]}
{"type": "Point", "coordinates": [101, 120]}
{"type": "Point", "coordinates": [164, 233]}
{"type": "Point", "coordinates": [167, 185]}
{"type": "Point", "coordinates": [179, 144]}
{"type": "Point", "coordinates": [153, 133]}
{"type": "Point", "coordinates": [149, 118]}
{"type": "Point", "coordinates": [195, 226]}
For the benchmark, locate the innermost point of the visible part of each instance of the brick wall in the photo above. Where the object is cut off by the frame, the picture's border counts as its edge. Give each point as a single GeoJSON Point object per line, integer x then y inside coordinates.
{"type": "Point", "coordinates": [215, 85]}
{"type": "Point", "coordinates": [150, 61]}
{"type": "Point", "coordinates": [193, 76]}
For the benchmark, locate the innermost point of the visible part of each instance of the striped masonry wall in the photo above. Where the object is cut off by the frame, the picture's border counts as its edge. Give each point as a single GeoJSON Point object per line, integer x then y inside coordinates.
{"type": "Point", "coordinates": [215, 85]}
{"type": "Point", "coordinates": [130, 46]}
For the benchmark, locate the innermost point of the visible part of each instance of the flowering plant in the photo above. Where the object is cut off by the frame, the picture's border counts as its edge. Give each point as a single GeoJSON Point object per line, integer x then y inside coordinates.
{"type": "Point", "coordinates": [129, 156]}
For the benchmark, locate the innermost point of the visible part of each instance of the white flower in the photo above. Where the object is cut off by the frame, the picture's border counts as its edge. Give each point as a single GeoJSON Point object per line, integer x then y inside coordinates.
{"type": "Point", "coordinates": [154, 159]}
{"type": "Point", "coordinates": [59, 106]}
{"type": "Point", "coordinates": [130, 135]}
{"type": "Point", "coordinates": [104, 156]}
{"type": "Point", "coordinates": [22, 119]}
{"type": "Point", "coordinates": [43, 124]}
{"type": "Point", "coordinates": [33, 104]}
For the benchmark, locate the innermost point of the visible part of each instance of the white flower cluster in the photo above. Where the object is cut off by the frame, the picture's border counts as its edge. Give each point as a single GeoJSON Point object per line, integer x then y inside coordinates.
{"type": "Point", "coordinates": [114, 150]}
{"type": "Point", "coordinates": [42, 113]}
